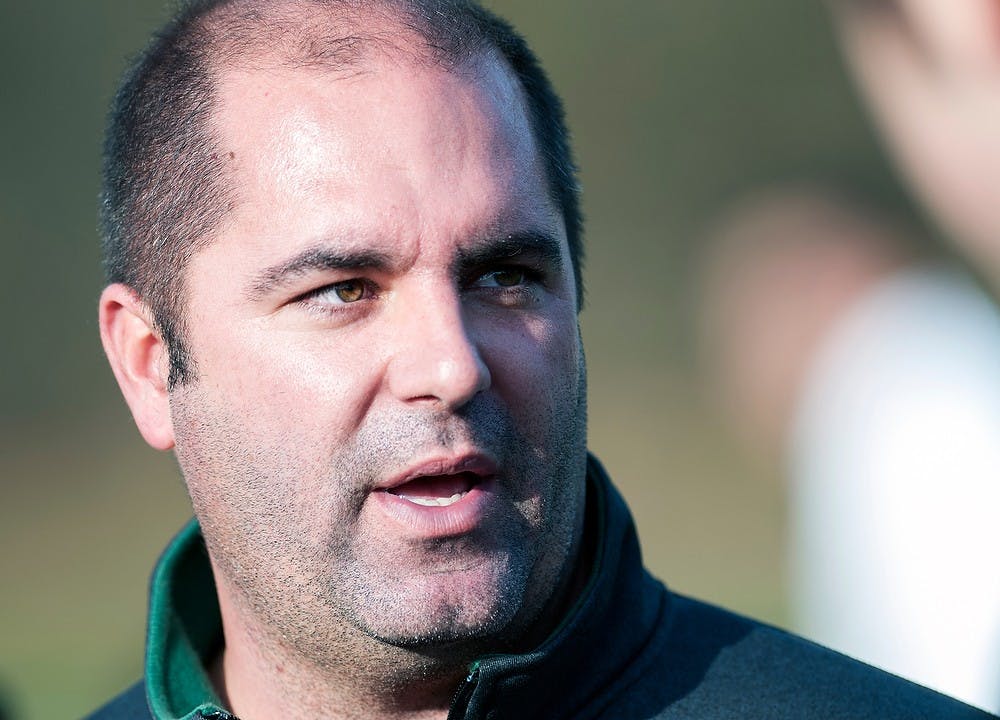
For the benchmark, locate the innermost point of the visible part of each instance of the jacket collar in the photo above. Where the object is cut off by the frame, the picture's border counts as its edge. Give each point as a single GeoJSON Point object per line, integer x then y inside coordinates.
{"type": "Point", "coordinates": [184, 631]}
{"type": "Point", "coordinates": [587, 657]}
{"type": "Point", "coordinates": [597, 648]}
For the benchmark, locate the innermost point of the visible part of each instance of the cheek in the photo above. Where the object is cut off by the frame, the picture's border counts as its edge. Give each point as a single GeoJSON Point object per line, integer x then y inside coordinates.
{"type": "Point", "coordinates": [534, 360]}
{"type": "Point", "coordinates": [293, 379]}
{"type": "Point", "coordinates": [253, 468]}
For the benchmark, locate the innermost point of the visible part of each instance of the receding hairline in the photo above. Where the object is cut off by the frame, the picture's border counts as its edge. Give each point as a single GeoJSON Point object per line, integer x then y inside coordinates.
{"type": "Point", "coordinates": [368, 53]}
{"type": "Point", "coordinates": [333, 37]}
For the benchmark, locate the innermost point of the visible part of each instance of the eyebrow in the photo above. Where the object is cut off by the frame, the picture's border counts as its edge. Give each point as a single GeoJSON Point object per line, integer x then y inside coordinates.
{"type": "Point", "coordinates": [538, 245]}
{"type": "Point", "coordinates": [310, 260]}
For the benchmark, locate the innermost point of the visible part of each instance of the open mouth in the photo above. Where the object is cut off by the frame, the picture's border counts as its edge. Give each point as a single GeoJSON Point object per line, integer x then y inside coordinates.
{"type": "Point", "coordinates": [436, 490]}
{"type": "Point", "coordinates": [440, 497]}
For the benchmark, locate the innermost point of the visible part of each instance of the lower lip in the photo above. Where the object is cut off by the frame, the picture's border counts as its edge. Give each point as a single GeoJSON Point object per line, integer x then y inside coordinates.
{"type": "Point", "coordinates": [434, 522]}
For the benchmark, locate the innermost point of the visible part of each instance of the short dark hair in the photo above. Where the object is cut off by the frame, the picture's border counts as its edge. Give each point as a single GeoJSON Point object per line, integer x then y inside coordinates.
{"type": "Point", "coordinates": [165, 185]}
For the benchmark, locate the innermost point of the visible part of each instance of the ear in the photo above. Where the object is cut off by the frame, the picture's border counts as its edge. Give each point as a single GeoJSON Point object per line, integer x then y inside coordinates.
{"type": "Point", "coordinates": [139, 360]}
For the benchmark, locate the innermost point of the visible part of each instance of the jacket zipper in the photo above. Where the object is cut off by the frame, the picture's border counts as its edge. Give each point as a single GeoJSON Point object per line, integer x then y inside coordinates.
{"type": "Point", "coordinates": [460, 703]}
{"type": "Point", "coordinates": [217, 715]}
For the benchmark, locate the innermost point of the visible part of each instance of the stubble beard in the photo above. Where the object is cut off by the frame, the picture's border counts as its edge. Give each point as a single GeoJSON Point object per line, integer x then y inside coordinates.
{"type": "Point", "coordinates": [310, 588]}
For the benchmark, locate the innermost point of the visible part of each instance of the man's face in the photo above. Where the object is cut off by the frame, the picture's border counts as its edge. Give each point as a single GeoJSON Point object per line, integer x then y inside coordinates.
{"type": "Point", "coordinates": [386, 430]}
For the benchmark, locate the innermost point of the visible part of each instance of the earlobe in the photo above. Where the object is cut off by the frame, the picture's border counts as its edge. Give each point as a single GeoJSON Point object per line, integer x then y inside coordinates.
{"type": "Point", "coordinates": [138, 358]}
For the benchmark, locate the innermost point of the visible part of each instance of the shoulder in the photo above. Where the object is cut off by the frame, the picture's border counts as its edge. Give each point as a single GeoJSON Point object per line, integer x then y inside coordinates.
{"type": "Point", "coordinates": [130, 705]}
{"type": "Point", "coordinates": [716, 664]}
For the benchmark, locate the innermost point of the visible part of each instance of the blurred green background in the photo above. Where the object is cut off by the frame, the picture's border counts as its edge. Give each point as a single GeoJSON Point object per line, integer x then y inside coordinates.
{"type": "Point", "coordinates": [676, 107]}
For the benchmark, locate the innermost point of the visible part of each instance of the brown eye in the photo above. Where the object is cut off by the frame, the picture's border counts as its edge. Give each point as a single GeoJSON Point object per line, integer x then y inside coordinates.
{"type": "Point", "coordinates": [508, 277]}
{"type": "Point", "coordinates": [349, 291]}
{"type": "Point", "coordinates": [333, 297]}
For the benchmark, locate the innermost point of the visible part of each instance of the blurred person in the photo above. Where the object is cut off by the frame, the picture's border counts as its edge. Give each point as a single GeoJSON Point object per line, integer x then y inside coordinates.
{"type": "Point", "coordinates": [916, 414]}
{"type": "Point", "coordinates": [781, 266]}
{"type": "Point", "coordinates": [343, 248]}
{"type": "Point", "coordinates": [867, 374]}
{"type": "Point", "coordinates": [930, 72]}
{"type": "Point", "coordinates": [894, 463]}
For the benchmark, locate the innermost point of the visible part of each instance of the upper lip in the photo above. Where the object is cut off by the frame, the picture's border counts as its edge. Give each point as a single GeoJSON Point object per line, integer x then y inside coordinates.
{"type": "Point", "coordinates": [477, 463]}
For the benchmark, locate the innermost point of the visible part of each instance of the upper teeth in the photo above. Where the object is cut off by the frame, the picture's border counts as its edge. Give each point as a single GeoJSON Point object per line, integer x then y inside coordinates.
{"type": "Point", "coordinates": [433, 501]}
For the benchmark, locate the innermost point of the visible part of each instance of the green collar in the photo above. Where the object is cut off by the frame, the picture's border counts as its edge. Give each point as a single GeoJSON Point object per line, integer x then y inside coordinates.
{"type": "Point", "coordinates": [185, 631]}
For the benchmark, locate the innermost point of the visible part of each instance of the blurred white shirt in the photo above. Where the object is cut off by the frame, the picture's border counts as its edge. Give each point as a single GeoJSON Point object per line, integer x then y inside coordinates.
{"type": "Point", "coordinates": [895, 468]}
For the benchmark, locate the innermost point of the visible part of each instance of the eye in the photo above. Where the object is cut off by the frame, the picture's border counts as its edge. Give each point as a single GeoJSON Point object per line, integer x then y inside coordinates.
{"type": "Point", "coordinates": [505, 277]}
{"type": "Point", "coordinates": [344, 292]}
{"type": "Point", "coordinates": [349, 291]}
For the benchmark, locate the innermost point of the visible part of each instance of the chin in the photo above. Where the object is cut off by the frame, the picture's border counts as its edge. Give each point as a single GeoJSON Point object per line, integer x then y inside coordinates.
{"type": "Point", "coordinates": [460, 609]}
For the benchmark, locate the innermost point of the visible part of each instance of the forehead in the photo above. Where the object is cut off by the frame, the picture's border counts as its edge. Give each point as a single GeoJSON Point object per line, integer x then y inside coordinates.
{"type": "Point", "coordinates": [392, 145]}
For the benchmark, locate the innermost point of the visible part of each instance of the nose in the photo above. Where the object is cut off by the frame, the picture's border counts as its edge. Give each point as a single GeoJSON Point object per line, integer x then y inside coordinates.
{"type": "Point", "coordinates": [435, 359]}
